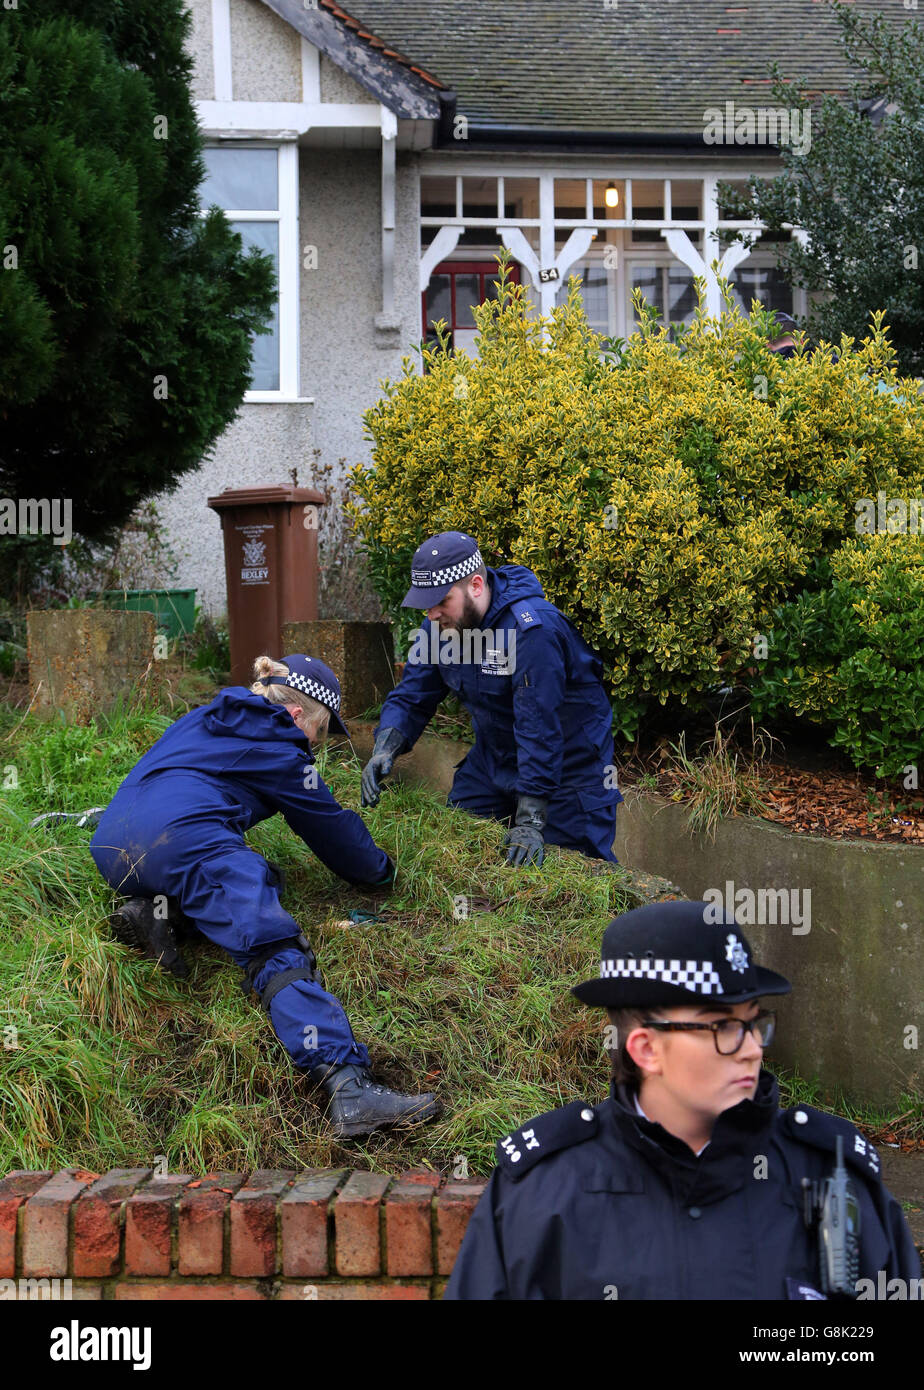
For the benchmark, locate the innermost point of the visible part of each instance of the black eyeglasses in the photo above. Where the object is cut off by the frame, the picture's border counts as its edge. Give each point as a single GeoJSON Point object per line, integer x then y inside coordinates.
{"type": "Point", "coordinates": [727, 1033]}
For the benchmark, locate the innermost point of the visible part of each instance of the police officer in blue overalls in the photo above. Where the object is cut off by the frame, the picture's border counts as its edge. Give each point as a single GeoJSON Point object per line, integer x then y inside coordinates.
{"type": "Point", "coordinates": [174, 834]}
{"type": "Point", "coordinates": [689, 1181]}
{"type": "Point", "coordinates": [543, 751]}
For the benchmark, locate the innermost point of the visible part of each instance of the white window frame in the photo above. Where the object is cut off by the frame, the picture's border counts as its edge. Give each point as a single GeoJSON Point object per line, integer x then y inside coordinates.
{"type": "Point", "coordinates": [286, 216]}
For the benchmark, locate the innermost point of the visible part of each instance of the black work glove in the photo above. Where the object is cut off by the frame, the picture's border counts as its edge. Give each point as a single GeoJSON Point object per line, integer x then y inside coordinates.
{"type": "Point", "coordinates": [525, 839]}
{"type": "Point", "coordinates": [389, 744]}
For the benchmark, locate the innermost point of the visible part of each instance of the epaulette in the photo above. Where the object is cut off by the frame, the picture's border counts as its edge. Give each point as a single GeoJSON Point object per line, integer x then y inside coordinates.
{"type": "Point", "coordinates": [546, 1134]}
{"type": "Point", "coordinates": [820, 1130]}
{"type": "Point", "coordinates": [526, 616]}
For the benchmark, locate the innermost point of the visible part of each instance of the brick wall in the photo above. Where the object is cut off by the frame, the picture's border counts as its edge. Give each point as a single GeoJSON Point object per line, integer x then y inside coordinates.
{"type": "Point", "coordinates": [321, 1233]}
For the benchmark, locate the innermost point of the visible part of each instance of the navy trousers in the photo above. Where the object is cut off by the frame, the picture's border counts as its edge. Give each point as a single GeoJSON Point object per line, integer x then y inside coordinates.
{"type": "Point", "coordinates": [226, 889]}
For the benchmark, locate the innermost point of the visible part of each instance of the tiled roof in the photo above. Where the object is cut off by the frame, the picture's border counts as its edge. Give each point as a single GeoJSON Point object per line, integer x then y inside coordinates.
{"type": "Point", "coordinates": [363, 32]}
{"type": "Point", "coordinates": [649, 66]}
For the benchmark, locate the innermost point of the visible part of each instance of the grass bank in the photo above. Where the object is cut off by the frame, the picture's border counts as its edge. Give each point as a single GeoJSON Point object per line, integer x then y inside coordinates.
{"type": "Point", "coordinates": [461, 985]}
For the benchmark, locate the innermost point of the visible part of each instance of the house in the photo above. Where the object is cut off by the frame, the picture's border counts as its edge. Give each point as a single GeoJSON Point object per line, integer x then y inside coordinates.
{"type": "Point", "coordinates": [384, 152]}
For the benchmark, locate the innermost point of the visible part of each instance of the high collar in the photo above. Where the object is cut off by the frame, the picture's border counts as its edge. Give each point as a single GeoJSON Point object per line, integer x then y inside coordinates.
{"type": "Point", "coordinates": [723, 1164]}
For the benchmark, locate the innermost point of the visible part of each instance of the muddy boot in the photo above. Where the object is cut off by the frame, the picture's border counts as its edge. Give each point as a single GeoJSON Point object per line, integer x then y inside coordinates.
{"type": "Point", "coordinates": [358, 1105]}
{"type": "Point", "coordinates": [135, 925]}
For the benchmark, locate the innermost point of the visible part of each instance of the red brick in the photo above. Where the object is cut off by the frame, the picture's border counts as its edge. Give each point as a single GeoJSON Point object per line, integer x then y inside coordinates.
{"type": "Point", "coordinates": [408, 1228]}
{"type": "Point", "coordinates": [328, 1292]}
{"type": "Point", "coordinates": [45, 1222]}
{"type": "Point", "coordinates": [97, 1227]}
{"type": "Point", "coordinates": [253, 1222]}
{"type": "Point", "coordinates": [149, 1224]}
{"type": "Point", "coordinates": [304, 1221]}
{"type": "Point", "coordinates": [356, 1223]}
{"type": "Point", "coordinates": [14, 1189]}
{"type": "Point", "coordinates": [202, 1222]}
{"type": "Point", "coordinates": [454, 1206]}
{"type": "Point", "coordinates": [147, 1290]}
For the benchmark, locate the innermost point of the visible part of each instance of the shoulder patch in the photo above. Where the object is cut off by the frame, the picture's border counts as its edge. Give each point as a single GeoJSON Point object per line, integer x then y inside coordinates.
{"type": "Point", "coordinates": [820, 1130]}
{"type": "Point", "coordinates": [526, 616]}
{"type": "Point", "coordinates": [523, 1148]}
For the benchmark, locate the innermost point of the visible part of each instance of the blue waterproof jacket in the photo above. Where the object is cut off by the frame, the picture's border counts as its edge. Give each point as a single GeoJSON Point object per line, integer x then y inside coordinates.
{"type": "Point", "coordinates": [218, 771]}
{"type": "Point", "coordinates": [543, 722]}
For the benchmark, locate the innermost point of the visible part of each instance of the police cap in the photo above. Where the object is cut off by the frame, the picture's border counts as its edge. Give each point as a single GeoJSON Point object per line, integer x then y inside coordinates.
{"type": "Point", "coordinates": [438, 564]}
{"type": "Point", "coordinates": [677, 953]}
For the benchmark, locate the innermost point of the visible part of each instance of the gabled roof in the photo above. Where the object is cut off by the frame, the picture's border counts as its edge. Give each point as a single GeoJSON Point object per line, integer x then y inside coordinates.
{"type": "Point", "coordinates": [649, 67]}
{"type": "Point", "coordinates": [402, 85]}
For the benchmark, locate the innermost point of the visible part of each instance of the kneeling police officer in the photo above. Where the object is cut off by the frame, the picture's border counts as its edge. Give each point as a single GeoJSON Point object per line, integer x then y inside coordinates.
{"type": "Point", "coordinates": [689, 1182]}
{"type": "Point", "coordinates": [175, 830]}
{"type": "Point", "coordinates": [543, 752]}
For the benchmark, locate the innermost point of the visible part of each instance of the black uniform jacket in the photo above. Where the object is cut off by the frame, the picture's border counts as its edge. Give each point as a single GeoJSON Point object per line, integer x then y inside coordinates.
{"type": "Point", "coordinates": [599, 1203]}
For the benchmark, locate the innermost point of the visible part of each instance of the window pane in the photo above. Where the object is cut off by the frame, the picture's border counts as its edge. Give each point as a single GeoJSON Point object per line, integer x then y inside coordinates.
{"type": "Point", "coordinates": [648, 279]}
{"type": "Point", "coordinates": [468, 292]}
{"type": "Point", "coordinates": [243, 179]}
{"type": "Point", "coordinates": [682, 294]}
{"type": "Point", "coordinates": [265, 356]}
{"type": "Point", "coordinates": [594, 279]}
{"type": "Point", "coordinates": [764, 283]}
{"type": "Point", "coordinates": [439, 302]}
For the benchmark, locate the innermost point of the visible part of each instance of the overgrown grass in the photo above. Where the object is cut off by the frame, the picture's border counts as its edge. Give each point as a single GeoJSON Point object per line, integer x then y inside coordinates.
{"type": "Point", "coordinates": [116, 1063]}
{"type": "Point", "coordinates": [719, 781]}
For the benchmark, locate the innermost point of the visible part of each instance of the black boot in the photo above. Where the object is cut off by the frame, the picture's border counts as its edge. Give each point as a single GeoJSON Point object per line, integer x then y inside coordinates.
{"type": "Point", "coordinates": [359, 1105]}
{"type": "Point", "coordinates": [277, 877]}
{"type": "Point", "coordinates": [135, 925]}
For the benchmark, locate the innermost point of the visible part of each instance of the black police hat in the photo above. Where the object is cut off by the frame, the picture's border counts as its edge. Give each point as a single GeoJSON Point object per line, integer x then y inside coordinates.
{"type": "Point", "coordinates": [677, 953]}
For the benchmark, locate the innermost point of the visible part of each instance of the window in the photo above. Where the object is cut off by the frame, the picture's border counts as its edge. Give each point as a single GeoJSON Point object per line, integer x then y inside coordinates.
{"type": "Point", "coordinates": [594, 291]}
{"type": "Point", "coordinates": [256, 186]}
{"type": "Point", "coordinates": [762, 282]}
{"type": "Point", "coordinates": [455, 288]}
{"type": "Point", "coordinates": [668, 286]}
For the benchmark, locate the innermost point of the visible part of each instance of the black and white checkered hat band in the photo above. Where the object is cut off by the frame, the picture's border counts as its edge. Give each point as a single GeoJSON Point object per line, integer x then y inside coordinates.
{"type": "Point", "coordinates": [698, 976]}
{"type": "Point", "coordinates": [432, 579]}
{"type": "Point", "coordinates": [315, 689]}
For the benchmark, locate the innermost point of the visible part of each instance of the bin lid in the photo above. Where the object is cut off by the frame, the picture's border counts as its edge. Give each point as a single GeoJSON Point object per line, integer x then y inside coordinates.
{"type": "Point", "coordinates": [254, 496]}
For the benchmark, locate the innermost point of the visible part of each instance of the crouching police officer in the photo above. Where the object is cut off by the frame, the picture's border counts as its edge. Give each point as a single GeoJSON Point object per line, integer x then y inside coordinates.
{"type": "Point", "coordinates": [175, 829]}
{"type": "Point", "coordinates": [689, 1182]}
{"type": "Point", "coordinates": [543, 752]}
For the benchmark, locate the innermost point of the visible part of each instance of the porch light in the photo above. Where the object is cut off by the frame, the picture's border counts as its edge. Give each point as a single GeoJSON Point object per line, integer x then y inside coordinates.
{"type": "Point", "coordinates": [611, 196]}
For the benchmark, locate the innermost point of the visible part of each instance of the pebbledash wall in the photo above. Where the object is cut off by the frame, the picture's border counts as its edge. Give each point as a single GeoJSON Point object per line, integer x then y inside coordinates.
{"type": "Point", "coordinates": [320, 1234]}
{"type": "Point", "coordinates": [340, 360]}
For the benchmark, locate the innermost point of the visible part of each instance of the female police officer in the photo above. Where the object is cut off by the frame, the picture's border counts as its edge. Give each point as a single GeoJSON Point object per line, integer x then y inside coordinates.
{"type": "Point", "coordinates": [175, 830]}
{"type": "Point", "coordinates": [688, 1182]}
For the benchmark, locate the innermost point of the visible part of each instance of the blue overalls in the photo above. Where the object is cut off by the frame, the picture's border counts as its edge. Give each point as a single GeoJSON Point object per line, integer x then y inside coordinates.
{"type": "Point", "coordinates": [542, 721]}
{"type": "Point", "coordinates": [176, 827]}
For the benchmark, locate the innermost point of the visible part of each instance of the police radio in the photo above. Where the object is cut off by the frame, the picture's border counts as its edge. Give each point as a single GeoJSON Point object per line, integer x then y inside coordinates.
{"type": "Point", "coordinates": [833, 1207]}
